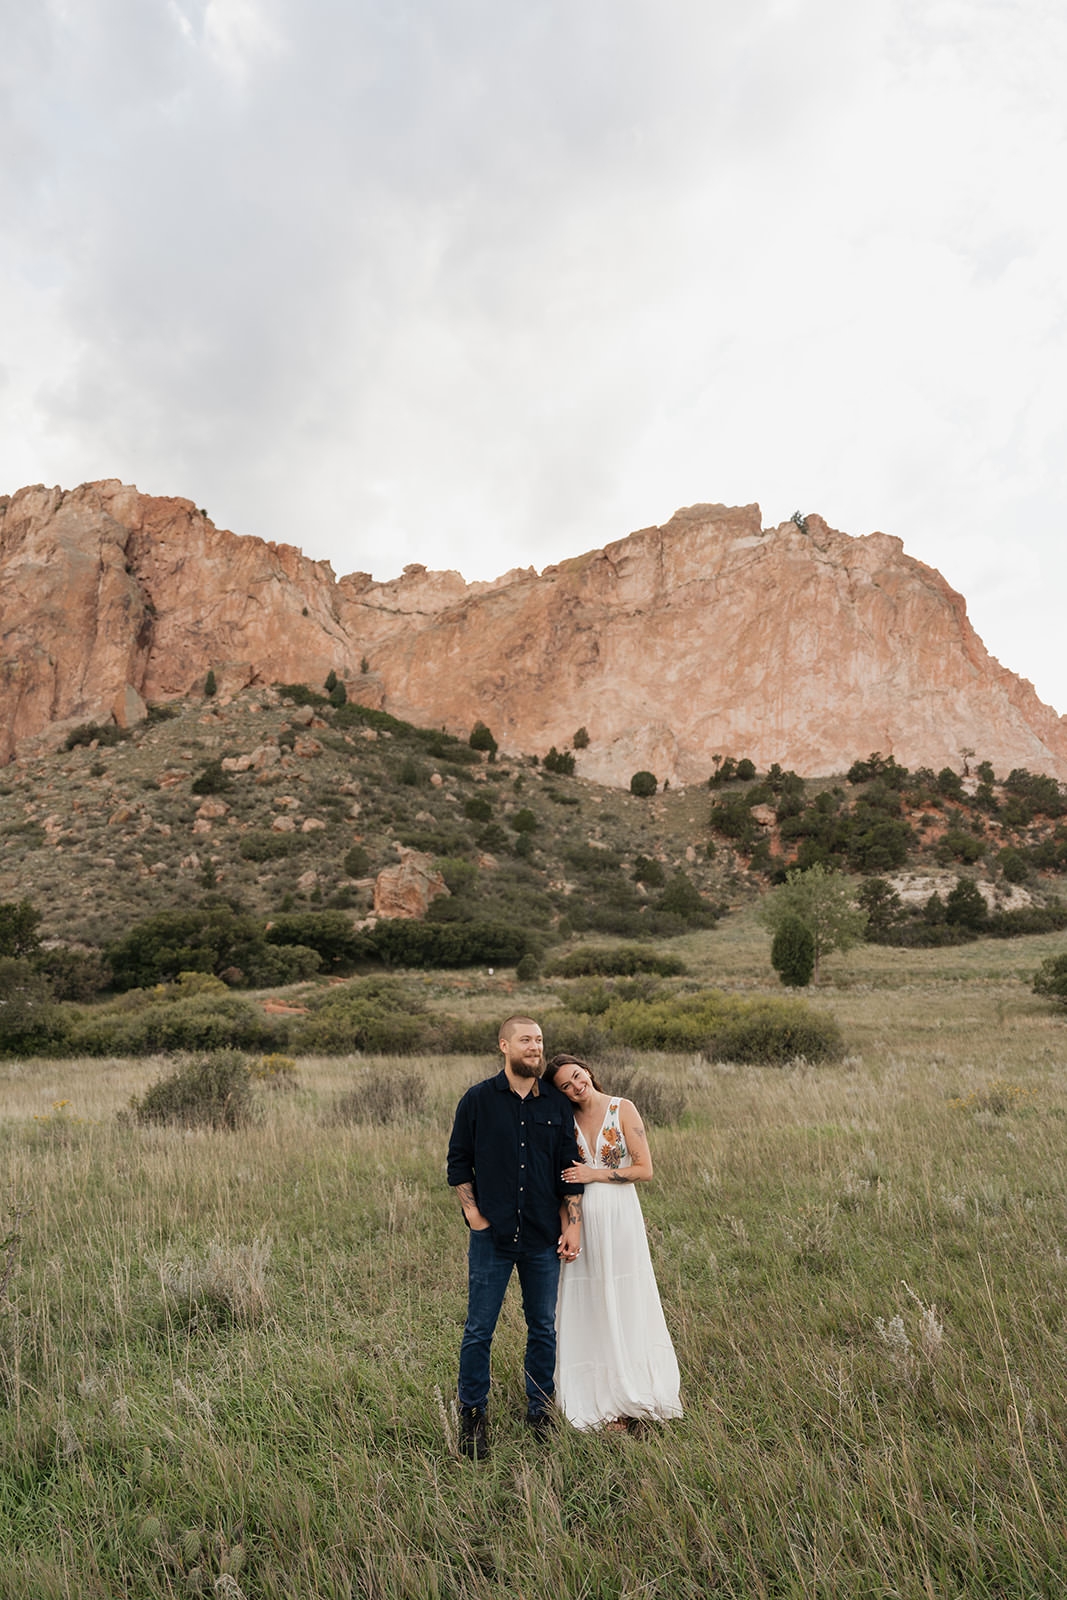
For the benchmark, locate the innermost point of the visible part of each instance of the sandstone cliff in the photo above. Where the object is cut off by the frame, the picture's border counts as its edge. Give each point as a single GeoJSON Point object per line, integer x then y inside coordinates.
{"type": "Point", "coordinates": [710, 635]}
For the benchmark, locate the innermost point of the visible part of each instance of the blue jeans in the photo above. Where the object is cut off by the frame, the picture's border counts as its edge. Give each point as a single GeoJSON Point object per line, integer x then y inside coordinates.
{"type": "Point", "coordinates": [489, 1273]}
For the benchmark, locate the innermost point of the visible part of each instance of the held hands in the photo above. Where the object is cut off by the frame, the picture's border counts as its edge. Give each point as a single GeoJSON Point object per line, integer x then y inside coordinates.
{"type": "Point", "coordinates": [569, 1247]}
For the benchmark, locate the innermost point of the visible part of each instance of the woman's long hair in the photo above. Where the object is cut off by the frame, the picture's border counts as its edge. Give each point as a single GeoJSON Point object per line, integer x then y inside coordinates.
{"type": "Point", "coordinates": [565, 1060]}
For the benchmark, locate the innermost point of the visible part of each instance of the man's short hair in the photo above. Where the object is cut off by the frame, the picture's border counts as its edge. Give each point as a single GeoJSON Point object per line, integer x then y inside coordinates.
{"type": "Point", "coordinates": [508, 1026]}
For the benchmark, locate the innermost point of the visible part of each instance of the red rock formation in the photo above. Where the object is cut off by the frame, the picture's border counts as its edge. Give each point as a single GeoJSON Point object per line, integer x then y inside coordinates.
{"type": "Point", "coordinates": [407, 890]}
{"type": "Point", "coordinates": [710, 635]}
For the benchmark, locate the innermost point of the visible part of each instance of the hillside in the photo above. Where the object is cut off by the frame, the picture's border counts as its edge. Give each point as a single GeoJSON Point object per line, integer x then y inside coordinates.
{"type": "Point", "coordinates": [707, 636]}
{"type": "Point", "coordinates": [277, 801]}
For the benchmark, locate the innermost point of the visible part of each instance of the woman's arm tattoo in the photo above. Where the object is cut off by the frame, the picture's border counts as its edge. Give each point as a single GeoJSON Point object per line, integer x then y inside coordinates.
{"type": "Point", "coordinates": [620, 1177]}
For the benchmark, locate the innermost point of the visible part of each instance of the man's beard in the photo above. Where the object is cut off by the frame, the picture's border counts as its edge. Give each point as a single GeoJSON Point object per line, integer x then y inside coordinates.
{"type": "Point", "coordinates": [527, 1069]}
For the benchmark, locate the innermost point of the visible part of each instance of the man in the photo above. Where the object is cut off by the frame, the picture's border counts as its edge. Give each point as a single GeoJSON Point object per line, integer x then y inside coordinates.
{"type": "Point", "coordinates": [511, 1140]}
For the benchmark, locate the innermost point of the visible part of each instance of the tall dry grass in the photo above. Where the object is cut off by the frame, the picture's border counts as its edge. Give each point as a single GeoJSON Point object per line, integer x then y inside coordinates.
{"type": "Point", "coordinates": [227, 1359]}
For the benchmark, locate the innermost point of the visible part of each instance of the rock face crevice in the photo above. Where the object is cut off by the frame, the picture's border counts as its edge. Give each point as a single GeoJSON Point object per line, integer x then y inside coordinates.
{"type": "Point", "coordinates": [711, 635]}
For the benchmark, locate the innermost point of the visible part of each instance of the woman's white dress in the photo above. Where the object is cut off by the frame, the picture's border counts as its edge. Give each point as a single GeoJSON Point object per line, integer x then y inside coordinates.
{"type": "Point", "coordinates": [614, 1356]}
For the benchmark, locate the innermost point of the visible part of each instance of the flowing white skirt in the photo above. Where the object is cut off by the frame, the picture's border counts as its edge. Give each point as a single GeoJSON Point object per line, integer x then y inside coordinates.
{"type": "Point", "coordinates": [614, 1356]}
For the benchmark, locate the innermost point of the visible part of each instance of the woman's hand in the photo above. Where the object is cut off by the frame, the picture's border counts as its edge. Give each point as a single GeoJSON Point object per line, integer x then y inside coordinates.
{"type": "Point", "coordinates": [580, 1173]}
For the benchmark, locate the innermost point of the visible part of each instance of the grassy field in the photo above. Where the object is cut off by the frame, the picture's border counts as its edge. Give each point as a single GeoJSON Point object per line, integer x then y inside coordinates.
{"type": "Point", "coordinates": [228, 1359]}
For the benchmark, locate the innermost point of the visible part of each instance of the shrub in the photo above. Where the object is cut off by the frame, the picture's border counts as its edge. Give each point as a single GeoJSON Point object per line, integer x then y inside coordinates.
{"type": "Point", "coordinates": [643, 784]}
{"type": "Point", "coordinates": [30, 1021]}
{"type": "Point", "coordinates": [477, 808]}
{"type": "Point", "coordinates": [72, 974]}
{"type": "Point", "coordinates": [212, 1091]}
{"type": "Point", "coordinates": [581, 739]}
{"type": "Point", "coordinates": [263, 846]}
{"type": "Point", "coordinates": [649, 872]}
{"type": "Point", "coordinates": [211, 686]}
{"type": "Point", "coordinates": [19, 921]}
{"type": "Point", "coordinates": [965, 906]}
{"type": "Point", "coordinates": [381, 1097]}
{"type": "Point", "coordinates": [482, 739]}
{"type": "Point", "coordinates": [524, 821]}
{"type": "Point", "coordinates": [376, 1015]}
{"type": "Point", "coordinates": [681, 899]}
{"type": "Point", "coordinates": [793, 953]}
{"type": "Point", "coordinates": [527, 968]}
{"type": "Point", "coordinates": [357, 861]}
{"type": "Point", "coordinates": [616, 960]}
{"type": "Point", "coordinates": [761, 1031]}
{"type": "Point", "coordinates": [199, 940]}
{"type": "Point", "coordinates": [210, 1021]}
{"type": "Point", "coordinates": [449, 944]}
{"type": "Point", "coordinates": [212, 780]}
{"type": "Point", "coordinates": [1013, 865]}
{"type": "Point", "coordinates": [409, 773]}
{"type": "Point", "coordinates": [266, 966]}
{"type": "Point", "coordinates": [561, 761]}
{"type": "Point", "coordinates": [330, 933]}
{"type": "Point", "coordinates": [1050, 980]}
{"type": "Point", "coordinates": [101, 733]}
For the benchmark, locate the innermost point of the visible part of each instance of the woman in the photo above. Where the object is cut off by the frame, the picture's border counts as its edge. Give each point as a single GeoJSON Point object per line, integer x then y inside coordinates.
{"type": "Point", "coordinates": [615, 1360]}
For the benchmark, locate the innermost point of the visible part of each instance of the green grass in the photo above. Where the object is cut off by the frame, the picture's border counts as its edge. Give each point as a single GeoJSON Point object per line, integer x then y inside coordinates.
{"type": "Point", "coordinates": [228, 1359]}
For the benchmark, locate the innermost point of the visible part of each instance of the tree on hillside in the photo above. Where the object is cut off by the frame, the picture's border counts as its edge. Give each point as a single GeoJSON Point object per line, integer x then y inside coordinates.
{"type": "Point", "coordinates": [793, 953]}
{"type": "Point", "coordinates": [19, 920]}
{"type": "Point", "coordinates": [821, 899]}
{"type": "Point", "coordinates": [643, 784]}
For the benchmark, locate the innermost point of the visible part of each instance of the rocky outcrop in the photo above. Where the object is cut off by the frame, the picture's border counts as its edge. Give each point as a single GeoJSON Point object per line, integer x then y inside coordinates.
{"type": "Point", "coordinates": [408, 889]}
{"type": "Point", "coordinates": [708, 636]}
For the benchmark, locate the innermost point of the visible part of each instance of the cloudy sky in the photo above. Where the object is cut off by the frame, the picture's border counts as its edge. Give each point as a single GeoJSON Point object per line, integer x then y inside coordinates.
{"type": "Point", "coordinates": [483, 284]}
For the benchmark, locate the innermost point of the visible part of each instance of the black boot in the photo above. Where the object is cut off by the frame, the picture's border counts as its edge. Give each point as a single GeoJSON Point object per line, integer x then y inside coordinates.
{"type": "Point", "coordinates": [473, 1433]}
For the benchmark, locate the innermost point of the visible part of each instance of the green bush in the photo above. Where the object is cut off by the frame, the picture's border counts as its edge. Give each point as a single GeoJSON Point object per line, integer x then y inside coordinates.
{"type": "Point", "coordinates": [212, 1091]}
{"type": "Point", "coordinates": [103, 733]}
{"type": "Point", "coordinates": [477, 808]}
{"type": "Point", "coordinates": [209, 1021]}
{"type": "Point", "coordinates": [559, 761]}
{"type": "Point", "coordinates": [357, 861]}
{"type": "Point", "coordinates": [793, 953]}
{"type": "Point", "coordinates": [19, 921]}
{"type": "Point", "coordinates": [30, 1021]}
{"type": "Point", "coordinates": [212, 780]}
{"type": "Point", "coordinates": [482, 739]}
{"type": "Point", "coordinates": [330, 933]}
{"type": "Point", "coordinates": [1050, 980]}
{"type": "Point", "coordinates": [375, 1015]}
{"type": "Point", "coordinates": [261, 845]}
{"type": "Point", "coordinates": [72, 974]}
{"type": "Point", "coordinates": [615, 961]}
{"type": "Point", "coordinates": [198, 940]}
{"type": "Point", "coordinates": [527, 968]}
{"type": "Point", "coordinates": [643, 784]}
{"type": "Point", "coordinates": [581, 739]}
{"type": "Point", "coordinates": [761, 1031]}
{"type": "Point", "coordinates": [524, 821]}
{"type": "Point", "coordinates": [401, 943]}
{"type": "Point", "coordinates": [649, 872]}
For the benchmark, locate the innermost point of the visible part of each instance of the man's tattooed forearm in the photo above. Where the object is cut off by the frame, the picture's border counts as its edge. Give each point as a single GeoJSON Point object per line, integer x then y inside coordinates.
{"type": "Point", "coordinates": [466, 1194]}
{"type": "Point", "coordinates": [574, 1208]}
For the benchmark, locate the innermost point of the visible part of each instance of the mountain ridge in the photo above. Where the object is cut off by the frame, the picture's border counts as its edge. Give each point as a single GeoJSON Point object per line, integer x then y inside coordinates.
{"type": "Point", "coordinates": [709, 635]}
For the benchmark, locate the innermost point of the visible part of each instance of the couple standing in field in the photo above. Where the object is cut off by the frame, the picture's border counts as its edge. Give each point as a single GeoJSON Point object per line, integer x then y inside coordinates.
{"type": "Point", "coordinates": [544, 1163]}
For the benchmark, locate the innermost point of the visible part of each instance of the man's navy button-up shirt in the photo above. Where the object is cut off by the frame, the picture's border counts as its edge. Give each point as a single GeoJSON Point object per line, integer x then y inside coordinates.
{"type": "Point", "coordinates": [512, 1150]}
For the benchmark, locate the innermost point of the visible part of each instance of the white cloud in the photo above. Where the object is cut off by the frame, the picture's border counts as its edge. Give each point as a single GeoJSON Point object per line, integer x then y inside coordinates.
{"type": "Point", "coordinates": [484, 285]}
